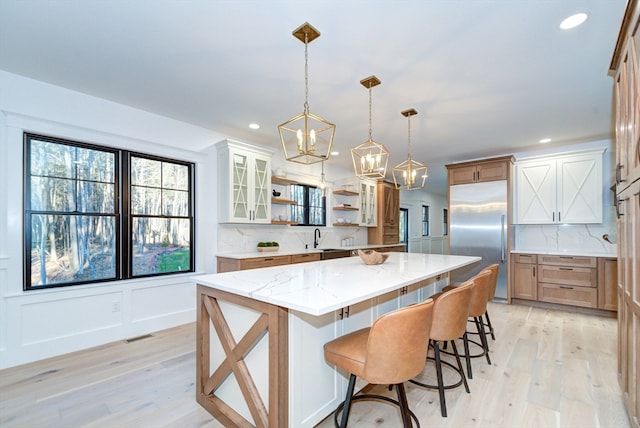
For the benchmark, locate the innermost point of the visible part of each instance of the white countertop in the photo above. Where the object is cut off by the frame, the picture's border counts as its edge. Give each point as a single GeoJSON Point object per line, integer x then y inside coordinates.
{"type": "Point", "coordinates": [256, 253]}
{"type": "Point", "coordinates": [565, 253]}
{"type": "Point", "coordinates": [320, 287]}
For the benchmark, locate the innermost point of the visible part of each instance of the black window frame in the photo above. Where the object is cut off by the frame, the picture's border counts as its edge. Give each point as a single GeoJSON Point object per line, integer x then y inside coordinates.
{"type": "Point", "coordinates": [304, 204]}
{"type": "Point", "coordinates": [121, 211]}
{"type": "Point", "coordinates": [425, 220]}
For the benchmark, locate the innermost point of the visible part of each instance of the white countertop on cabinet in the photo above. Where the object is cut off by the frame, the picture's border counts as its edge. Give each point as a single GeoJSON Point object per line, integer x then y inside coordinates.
{"type": "Point", "coordinates": [256, 253]}
{"type": "Point", "coordinates": [318, 288]}
{"type": "Point", "coordinates": [565, 253]}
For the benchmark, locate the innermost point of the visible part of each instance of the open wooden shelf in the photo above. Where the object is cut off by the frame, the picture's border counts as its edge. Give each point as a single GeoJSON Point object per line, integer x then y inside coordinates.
{"type": "Point", "coordinates": [346, 224]}
{"type": "Point", "coordinates": [345, 208]}
{"type": "Point", "coordinates": [345, 193]}
{"type": "Point", "coordinates": [283, 201]}
{"type": "Point", "coordinates": [283, 222]}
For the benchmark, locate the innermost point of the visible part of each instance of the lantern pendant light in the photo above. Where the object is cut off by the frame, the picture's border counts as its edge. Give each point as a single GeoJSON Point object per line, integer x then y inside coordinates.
{"type": "Point", "coordinates": [370, 158]}
{"type": "Point", "coordinates": [306, 138]}
{"type": "Point", "coordinates": [410, 174]}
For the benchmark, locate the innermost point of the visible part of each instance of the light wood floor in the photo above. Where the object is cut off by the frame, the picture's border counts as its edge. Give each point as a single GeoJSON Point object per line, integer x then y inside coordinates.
{"type": "Point", "coordinates": [550, 369]}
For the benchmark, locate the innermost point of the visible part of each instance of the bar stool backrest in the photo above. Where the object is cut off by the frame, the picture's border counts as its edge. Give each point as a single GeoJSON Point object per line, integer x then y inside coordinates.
{"type": "Point", "coordinates": [482, 285]}
{"type": "Point", "coordinates": [397, 344]}
{"type": "Point", "coordinates": [450, 312]}
{"type": "Point", "coordinates": [494, 279]}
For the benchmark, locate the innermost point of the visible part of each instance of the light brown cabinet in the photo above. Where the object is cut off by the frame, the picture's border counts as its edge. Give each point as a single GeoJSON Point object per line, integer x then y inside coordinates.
{"type": "Point", "coordinates": [479, 171]}
{"type": "Point", "coordinates": [226, 264]}
{"type": "Point", "coordinates": [607, 284]}
{"type": "Point", "coordinates": [387, 230]}
{"type": "Point", "coordinates": [303, 258]}
{"type": "Point", "coordinates": [568, 280]}
{"type": "Point", "coordinates": [625, 70]}
{"type": "Point", "coordinates": [524, 280]}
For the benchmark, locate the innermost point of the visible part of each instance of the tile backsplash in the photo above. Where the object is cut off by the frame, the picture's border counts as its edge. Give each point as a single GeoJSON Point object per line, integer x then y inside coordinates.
{"type": "Point", "coordinates": [570, 238]}
{"type": "Point", "coordinates": [241, 238]}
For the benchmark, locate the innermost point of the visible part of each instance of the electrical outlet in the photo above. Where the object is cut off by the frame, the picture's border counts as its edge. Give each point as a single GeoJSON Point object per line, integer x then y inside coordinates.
{"type": "Point", "coordinates": [115, 307]}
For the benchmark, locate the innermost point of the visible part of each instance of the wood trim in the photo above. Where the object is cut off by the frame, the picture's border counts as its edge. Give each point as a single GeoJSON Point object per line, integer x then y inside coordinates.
{"type": "Point", "coordinates": [633, 8]}
{"type": "Point", "coordinates": [273, 322]}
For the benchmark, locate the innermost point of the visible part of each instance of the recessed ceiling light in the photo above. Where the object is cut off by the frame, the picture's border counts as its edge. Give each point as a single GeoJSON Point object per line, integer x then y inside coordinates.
{"type": "Point", "coordinates": [254, 126]}
{"type": "Point", "coordinates": [545, 140]}
{"type": "Point", "coordinates": [573, 21]}
{"type": "Point", "coordinates": [334, 153]}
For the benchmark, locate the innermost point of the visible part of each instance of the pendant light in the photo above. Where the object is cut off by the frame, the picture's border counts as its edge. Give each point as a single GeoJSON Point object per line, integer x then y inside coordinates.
{"type": "Point", "coordinates": [306, 138]}
{"type": "Point", "coordinates": [370, 158]}
{"type": "Point", "coordinates": [410, 174]}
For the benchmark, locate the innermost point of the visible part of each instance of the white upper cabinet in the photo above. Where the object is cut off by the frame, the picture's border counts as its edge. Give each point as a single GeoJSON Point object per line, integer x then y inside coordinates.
{"type": "Point", "coordinates": [559, 189]}
{"type": "Point", "coordinates": [368, 203]}
{"type": "Point", "coordinates": [244, 183]}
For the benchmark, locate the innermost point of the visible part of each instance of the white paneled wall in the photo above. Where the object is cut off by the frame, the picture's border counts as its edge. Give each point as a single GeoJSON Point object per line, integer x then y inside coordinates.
{"type": "Point", "coordinates": [43, 323]}
{"type": "Point", "coordinates": [436, 242]}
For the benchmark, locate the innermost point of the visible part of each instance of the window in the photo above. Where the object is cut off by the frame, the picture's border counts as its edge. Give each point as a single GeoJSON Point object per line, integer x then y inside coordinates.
{"type": "Point", "coordinates": [310, 210]}
{"type": "Point", "coordinates": [425, 220]}
{"type": "Point", "coordinates": [96, 214]}
{"type": "Point", "coordinates": [445, 221]}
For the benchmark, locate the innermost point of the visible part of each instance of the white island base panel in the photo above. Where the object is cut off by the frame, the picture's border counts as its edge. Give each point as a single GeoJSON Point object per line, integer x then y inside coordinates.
{"type": "Point", "coordinates": [262, 364]}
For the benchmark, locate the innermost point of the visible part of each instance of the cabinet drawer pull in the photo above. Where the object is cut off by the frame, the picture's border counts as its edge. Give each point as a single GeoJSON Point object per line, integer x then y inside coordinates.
{"type": "Point", "coordinates": [564, 268]}
{"type": "Point", "coordinates": [534, 271]}
{"type": "Point", "coordinates": [566, 257]}
{"type": "Point", "coordinates": [268, 259]}
{"type": "Point", "coordinates": [566, 287]}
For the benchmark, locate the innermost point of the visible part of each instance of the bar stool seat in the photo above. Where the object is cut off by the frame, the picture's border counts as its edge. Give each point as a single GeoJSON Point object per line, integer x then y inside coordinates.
{"type": "Point", "coordinates": [390, 352]}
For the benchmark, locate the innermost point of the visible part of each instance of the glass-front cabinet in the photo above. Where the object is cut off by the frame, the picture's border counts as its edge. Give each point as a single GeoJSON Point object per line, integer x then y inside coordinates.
{"type": "Point", "coordinates": [244, 175]}
{"type": "Point", "coordinates": [368, 203]}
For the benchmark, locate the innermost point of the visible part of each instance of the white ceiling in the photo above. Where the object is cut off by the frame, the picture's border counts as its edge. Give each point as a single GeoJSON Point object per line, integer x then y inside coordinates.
{"type": "Point", "coordinates": [486, 77]}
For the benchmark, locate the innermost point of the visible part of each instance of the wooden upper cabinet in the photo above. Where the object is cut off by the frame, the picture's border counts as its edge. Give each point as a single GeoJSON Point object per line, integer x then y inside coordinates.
{"type": "Point", "coordinates": [387, 230]}
{"type": "Point", "coordinates": [480, 171]}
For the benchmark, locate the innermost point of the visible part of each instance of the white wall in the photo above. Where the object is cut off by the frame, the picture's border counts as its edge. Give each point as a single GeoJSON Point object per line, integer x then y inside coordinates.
{"type": "Point", "coordinates": [43, 323]}
{"type": "Point", "coordinates": [436, 242]}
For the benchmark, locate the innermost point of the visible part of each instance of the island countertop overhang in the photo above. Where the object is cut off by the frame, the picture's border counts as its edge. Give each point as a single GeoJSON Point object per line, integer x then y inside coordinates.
{"type": "Point", "coordinates": [317, 288]}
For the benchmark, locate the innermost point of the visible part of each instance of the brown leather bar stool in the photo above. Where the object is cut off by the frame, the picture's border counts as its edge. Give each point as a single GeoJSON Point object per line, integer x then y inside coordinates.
{"type": "Point", "coordinates": [390, 352]}
{"type": "Point", "coordinates": [450, 313]}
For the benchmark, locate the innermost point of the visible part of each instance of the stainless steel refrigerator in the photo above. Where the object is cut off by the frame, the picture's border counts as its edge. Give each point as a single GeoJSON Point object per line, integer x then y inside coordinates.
{"type": "Point", "coordinates": [478, 227]}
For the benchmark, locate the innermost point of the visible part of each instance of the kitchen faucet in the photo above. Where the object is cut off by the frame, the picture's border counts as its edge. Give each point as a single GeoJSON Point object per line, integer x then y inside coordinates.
{"type": "Point", "coordinates": [316, 236]}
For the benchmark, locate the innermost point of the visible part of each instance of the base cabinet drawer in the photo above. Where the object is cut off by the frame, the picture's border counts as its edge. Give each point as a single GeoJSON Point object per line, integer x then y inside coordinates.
{"type": "Point", "coordinates": [261, 262]}
{"type": "Point", "coordinates": [577, 261]}
{"type": "Point", "coordinates": [586, 297]}
{"type": "Point", "coordinates": [303, 258]}
{"type": "Point", "coordinates": [566, 275]}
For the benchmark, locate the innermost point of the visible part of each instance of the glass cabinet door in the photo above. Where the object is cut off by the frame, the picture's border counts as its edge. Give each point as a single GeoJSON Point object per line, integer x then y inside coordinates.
{"type": "Point", "coordinates": [240, 197]}
{"type": "Point", "coordinates": [262, 197]}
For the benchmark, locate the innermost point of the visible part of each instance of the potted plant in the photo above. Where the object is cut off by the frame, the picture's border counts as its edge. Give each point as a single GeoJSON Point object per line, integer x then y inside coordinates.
{"type": "Point", "coordinates": [268, 247]}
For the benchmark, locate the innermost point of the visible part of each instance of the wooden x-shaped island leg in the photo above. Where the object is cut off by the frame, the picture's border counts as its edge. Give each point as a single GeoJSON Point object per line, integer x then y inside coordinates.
{"type": "Point", "coordinates": [273, 322]}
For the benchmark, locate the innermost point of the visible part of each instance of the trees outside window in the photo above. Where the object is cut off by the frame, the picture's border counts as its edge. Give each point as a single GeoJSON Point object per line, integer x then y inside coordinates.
{"type": "Point", "coordinates": [96, 214]}
{"type": "Point", "coordinates": [310, 209]}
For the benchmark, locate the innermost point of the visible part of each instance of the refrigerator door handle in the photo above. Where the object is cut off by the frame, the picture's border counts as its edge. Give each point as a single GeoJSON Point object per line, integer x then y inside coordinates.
{"type": "Point", "coordinates": [502, 243]}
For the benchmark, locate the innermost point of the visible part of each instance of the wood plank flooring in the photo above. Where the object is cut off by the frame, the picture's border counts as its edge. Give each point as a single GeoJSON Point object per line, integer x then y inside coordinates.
{"type": "Point", "coordinates": [549, 369]}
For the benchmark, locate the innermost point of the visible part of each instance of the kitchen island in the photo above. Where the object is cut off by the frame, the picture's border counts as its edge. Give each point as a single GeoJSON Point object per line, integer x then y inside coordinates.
{"type": "Point", "coordinates": [262, 363]}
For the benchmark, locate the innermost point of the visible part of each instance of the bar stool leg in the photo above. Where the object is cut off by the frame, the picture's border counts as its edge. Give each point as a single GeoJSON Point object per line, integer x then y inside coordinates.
{"type": "Point", "coordinates": [486, 315]}
{"type": "Point", "coordinates": [404, 406]}
{"type": "Point", "coordinates": [347, 401]}
{"type": "Point", "coordinates": [436, 354]}
{"type": "Point", "coordinates": [464, 378]}
{"type": "Point", "coordinates": [465, 341]}
{"type": "Point", "coordinates": [483, 338]}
